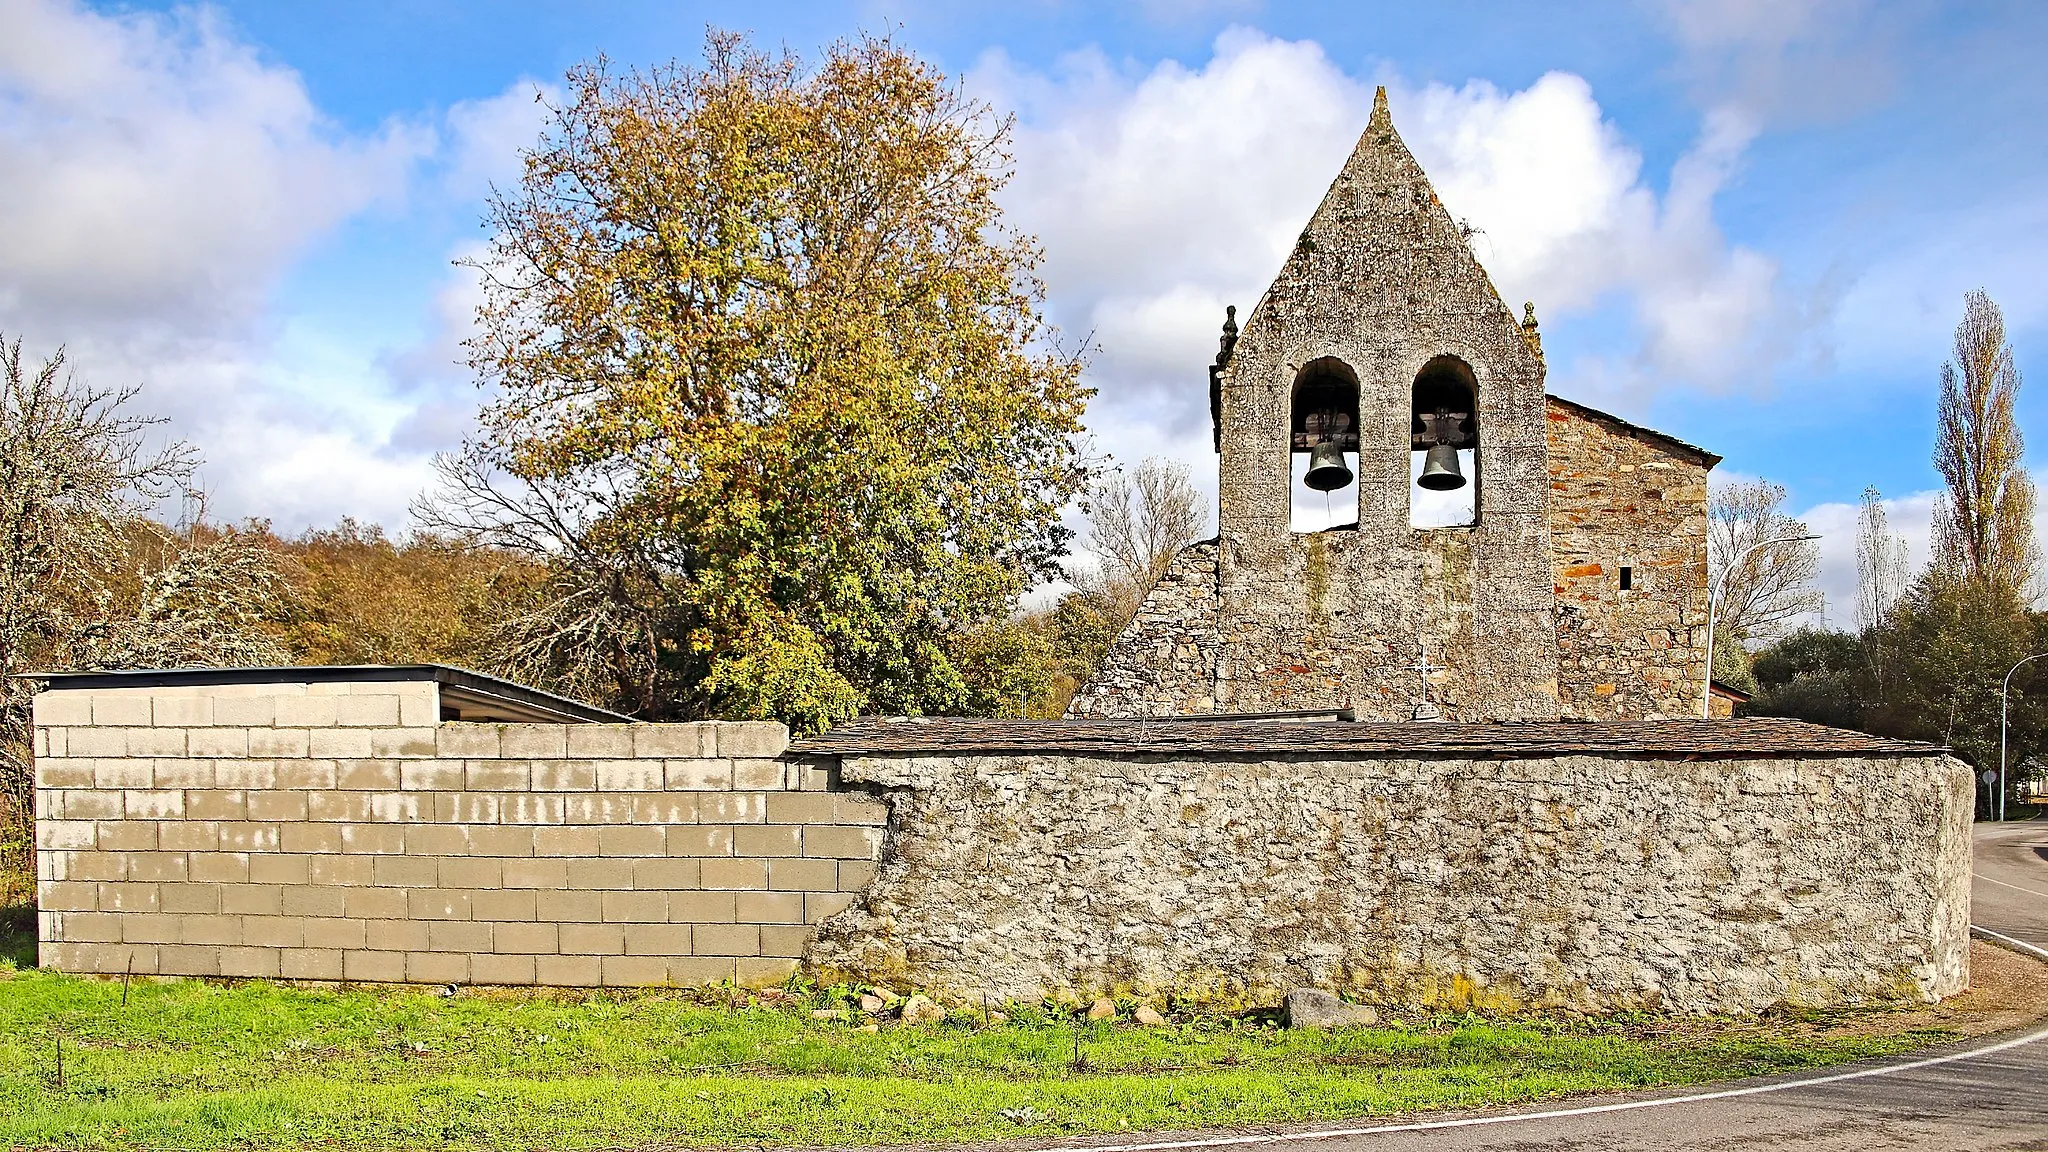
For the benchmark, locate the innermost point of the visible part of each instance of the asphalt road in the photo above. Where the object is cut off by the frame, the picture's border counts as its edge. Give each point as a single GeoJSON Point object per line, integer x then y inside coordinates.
{"type": "Point", "coordinates": [1989, 1094]}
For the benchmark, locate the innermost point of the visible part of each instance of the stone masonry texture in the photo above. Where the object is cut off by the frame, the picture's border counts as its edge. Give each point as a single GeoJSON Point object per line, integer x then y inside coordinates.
{"type": "Point", "coordinates": [1519, 615]}
{"type": "Point", "coordinates": [1571, 882]}
{"type": "Point", "coordinates": [342, 832]}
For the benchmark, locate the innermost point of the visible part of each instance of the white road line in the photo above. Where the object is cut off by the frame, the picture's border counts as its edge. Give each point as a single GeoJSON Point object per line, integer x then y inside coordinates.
{"type": "Point", "coordinates": [1564, 1113]}
{"type": "Point", "coordinates": [2014, 887]}
{"type": "Point", "coordinates": [2009, 942]}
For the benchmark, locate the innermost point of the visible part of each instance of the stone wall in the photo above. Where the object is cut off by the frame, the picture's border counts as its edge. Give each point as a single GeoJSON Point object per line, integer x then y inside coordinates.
{"type": "Point", "coordinates": [341, 832]}
{"type": "Point", "coordinates": [1622, 499]}
{"type": "Point", "coordinates": [1575, 882]}
{"type": "Point", "coordinates": [1165, 662]}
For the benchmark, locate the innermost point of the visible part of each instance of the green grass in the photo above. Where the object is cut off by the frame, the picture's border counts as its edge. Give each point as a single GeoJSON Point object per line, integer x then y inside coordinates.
{"type": "Point", "coordinates": [255, 1065]}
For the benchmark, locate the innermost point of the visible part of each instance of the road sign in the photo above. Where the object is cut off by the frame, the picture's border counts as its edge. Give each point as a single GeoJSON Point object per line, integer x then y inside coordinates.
{"type": "Point", "coordinates": [1990, 776]}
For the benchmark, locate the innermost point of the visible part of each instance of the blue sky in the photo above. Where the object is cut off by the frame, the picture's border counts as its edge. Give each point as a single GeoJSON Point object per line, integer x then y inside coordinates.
{"type": "Point", "coordinates": [1747, 223]}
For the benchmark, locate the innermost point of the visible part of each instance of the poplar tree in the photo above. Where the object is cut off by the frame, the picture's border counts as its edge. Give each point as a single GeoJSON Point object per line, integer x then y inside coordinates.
{"type": "Point", "coordinates": [1984, 523]}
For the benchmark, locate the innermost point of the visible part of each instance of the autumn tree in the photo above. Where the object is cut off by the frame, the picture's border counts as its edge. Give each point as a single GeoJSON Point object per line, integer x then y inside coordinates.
{"type": "Point", "coordinates": [773, 402]}
{"type": "Point", "coordinates": [1984, 524]}
{"type": "Point", "coordinates": [1762, 590]}
{"type": "Point", "coordinates": [88, 579]}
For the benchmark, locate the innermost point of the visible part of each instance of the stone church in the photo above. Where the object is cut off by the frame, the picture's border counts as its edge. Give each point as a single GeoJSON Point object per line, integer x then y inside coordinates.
{"type": "Point", "coordinates": [1574, 583]}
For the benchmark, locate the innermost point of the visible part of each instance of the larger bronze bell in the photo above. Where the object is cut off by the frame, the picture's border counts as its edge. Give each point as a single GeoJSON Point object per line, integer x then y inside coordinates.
{"type": "Point", "coordinates": [1327, 471]}
{"type": "Point", "coordinates": [1440, 469]}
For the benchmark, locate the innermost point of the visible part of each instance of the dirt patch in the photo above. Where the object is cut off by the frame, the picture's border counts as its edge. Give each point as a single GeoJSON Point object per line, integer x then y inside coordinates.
{"type": "Point", "coordinates": [2007, 991]}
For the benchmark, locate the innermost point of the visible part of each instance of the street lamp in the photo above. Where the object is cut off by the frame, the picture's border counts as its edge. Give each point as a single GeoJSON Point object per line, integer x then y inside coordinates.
{"type": "Point", "coordinates": [2003, 690]}
{"type": "Point", "coordinates": [1714, 600]}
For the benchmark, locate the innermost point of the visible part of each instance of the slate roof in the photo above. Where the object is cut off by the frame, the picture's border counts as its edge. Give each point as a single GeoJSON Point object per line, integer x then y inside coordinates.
{"type": "Point", "coordinates": [1659, 739]}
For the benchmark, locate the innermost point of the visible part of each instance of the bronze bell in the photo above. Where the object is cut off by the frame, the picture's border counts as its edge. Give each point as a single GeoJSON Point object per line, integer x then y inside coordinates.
{"type": "Point", "coordinates": [1440, 469]}
{"type": "Point", "coordinates": [1327, 471]}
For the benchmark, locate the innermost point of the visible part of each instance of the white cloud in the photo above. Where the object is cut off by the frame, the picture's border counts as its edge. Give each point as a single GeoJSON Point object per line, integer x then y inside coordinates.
{"type": "Point", "coordinates": [163, 183]}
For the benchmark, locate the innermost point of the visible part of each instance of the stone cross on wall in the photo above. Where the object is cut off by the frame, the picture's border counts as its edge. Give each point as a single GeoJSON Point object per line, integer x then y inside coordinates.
{"type": "Point", "coordinates": [1425, 709]}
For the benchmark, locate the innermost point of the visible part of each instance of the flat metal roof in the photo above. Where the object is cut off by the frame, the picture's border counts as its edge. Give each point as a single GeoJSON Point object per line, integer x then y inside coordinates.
{"type": "Point", "coordinates": [489, 697]}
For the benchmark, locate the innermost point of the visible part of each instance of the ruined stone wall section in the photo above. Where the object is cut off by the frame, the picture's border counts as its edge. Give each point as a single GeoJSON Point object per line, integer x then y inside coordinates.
{"type": "Point", "coordinates": [1580, 883]}
{"type": "Point", "coordinates": [1165, 662]}
{"type": "Point", "coordinates": [340, 832]}
{"type": "Point", "coordinates": [1620, 500]}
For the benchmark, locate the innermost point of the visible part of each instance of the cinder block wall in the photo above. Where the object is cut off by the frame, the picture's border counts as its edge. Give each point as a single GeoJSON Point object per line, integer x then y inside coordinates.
{"type": "Point", "coordinates": [340, 832]}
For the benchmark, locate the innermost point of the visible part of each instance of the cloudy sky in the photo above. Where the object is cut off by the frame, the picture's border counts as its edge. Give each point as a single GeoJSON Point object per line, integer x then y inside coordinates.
{"type": "Point", "coordinates": [1749, 223]}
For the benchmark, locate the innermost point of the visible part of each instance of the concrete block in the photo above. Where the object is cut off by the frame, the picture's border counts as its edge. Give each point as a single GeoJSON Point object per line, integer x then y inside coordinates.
{"type": "Point", "coordinates": [700, 840]}
{"type": "Point", "coordinates": [437, 840]}
{"type": "Point", "coordinates": [500, 969]}
{"type": "Point", "coordinates": [307, 712]}
{"type": "Point", "coordinates": [216, 804]}
{"type": "Point", "coordinates": [768, 840]}
{"type": "Point", "coordinates": [466, 807]}
{"type": "Point", "coordinates": [245, 711]}
{"type": "Point", "coordinates": [822, 906]}
{"type": "Point", "coordinates": [372, 838]}
{"type": "Point", "coordinates": [186, 773]}
{"type": "Point", "coordinates": [378, 905]}
{"type": "Point", "coordinates": [64, 773]}
{"type": "Point", "coordinates": [757, 775]}
{"type": "Point", "coordinates": [166, 711]}
{"type": "Point", "coordinates": [573, 840]}
{"type": "Point", "coordinates": [154, 741]}
{"type": "Point", "coordinates": [248, 899]}
{"type": "Point", "coordinates": [515, 904]}
{"type": "Point", "coordinates": [307, 775]}
{"type": "Point", "coordinates": [96, 742]}
{"type": "Point", "coordinates": [369, 775]}
{"type": "Point", "coordinates": [188, 836]}
{"type": "Point", "coordinates": [734, 874]}
{"type": "Point", "coordinates": [275, 805]}
{"type": "Point", "coordinates": [188, 960]}
{"type": "Point", "coordinates": [535, 741]}
{"type": "Point", "coordinates": [630, 840]}
{"type": "Point", "coordinates": [764, 972]}
{"type": "Point", "coordinates": [112, 896]}
{"type": "Point", "coordinates": [801, 808]}
{"type": "Point", "coordinates": [405, 871]}
{"type": "Point", "coordinates": [600, 873]}
{"type": "Point", "coordinates": [312, 900]}
{"type": "Point", "coordinates": [564, 775]}
{"type": "Point", "coordinates": [395, 935]}
{"type": "Point", "coordinates": [658, 939]}
{"type": "Point", "coordinates": [221, 742]}
{"type": "Point", "coordinates": [373, 967]}
{"type": "Point", "coordinates": [726, 939]}
{"type": "Point", "coordinates": [402, 742]}
{"type": "Point", "coordinates": [119, 836]}
{"type": "Point", "coordinates": [206, 928]}
{"type": "Point", "coordinates": [497, 775]}
{"type": "Point", "coordinates": [121, 772]}
{"type": "Point", "coordinates": [471, 872]}
{"type": "Point", "coordinates": [665, 875]}
{"type": "Point", "coordinates": [536, 873]}
{"type": "Point", "coordinates": [699, 971]}
{"type": "Point", "coordinates": [703, 907]}
{"type": "Point", "coordinates": [272, 931]}
{"type": "Point", "coordinates": [342, 871]}
{"type": "Point", "coordinates": [309, 837]}
{"type": "Point", "coordinates": [629, 775]}
{"type": "Point", "coordinates": [536, 938]}
{"type": "Point", "coordinates": [770, 907]}
{"type": "Point", "coordinates": [569, 971]}
{"type": "Point", "coordinates": [248, 836]}
{"type": "Point", "coordinates": [803, 875]}
{"type": "Point", "coordinates": [788, 940]}
{"type": "Point", "coordinates": [69, 896]}
{"type": "Point", "coordinates": [527, 809]}
{"type": "Point", "coordinates": [360, 711]}
{"type": "Point", "coordinates": [634, 907]}
{"type": "Point", "coordinates": [697, 775]}
{"type": "Point", "coordinates": [309, 964]}
{"type": "Point", "coordinates": [568, 907]}
{"type": "Point", "coordinates": [273, 868]}
{"type": "Point", "coordinates": [689, 740]}
{"type": "Point", "coordinates": [593, 939]}
{"type": "Point", "coordinates": [56, 707]}
{"type": "Point", "coordinates": [664, 808]}
{"type": "Point", "coordinates": [437, 904]}
{"type": "Point", "coordinates": [752, 739]}
{"type": "Point", "coordinates": [135, 928]}
{"type": "Point", "coordinates": [420, 709]}
{"type": "Point", "coordinates": [601, 741]}
{"type": "Point", "coordinates": [338, 743]}
{"type": "Point", "coordinates": [463, 741]}
{"type": "Point", "coordinates": [635, 971]}
{"type": "Point", "coordinates": [842, 842]}
{"type": "Point", "coordinates": [190, 898]}
{"type": "Point", "coordinates": [121, 708]}
{"type": "Point", "coordinates": [598, 808]}
{"type": "Point", "coordinates": [398, 808]}
{"type": "Point", "coordinates": [506, 841]}
{"type": "Point", "coordinates": [459, 936]}
{"type": "Point", "coordinates": [84, 803]}
{"type": "Point", "coordinates": [855, 875]}
{"type": "Point", "coordinates": [280, 743]}
{"type": "Point", "coordinates": [218, 867]}
{"type": "Point", "coordinates": [429, 775]}
{"type": "Point", "coordinates": [733, 807]}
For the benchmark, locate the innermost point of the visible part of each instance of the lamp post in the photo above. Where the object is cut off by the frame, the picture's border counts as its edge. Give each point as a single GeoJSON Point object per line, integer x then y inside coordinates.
{"type": "Point", "coordinates": [1714, 601]}
{"type": "Point", "coordinates": [2004, 690]}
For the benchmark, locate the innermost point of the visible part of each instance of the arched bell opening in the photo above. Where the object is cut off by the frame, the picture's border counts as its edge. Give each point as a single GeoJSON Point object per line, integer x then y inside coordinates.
{"type": "Point", "coordinates": [1444, 446]}
{"type": "Point", "coordinates": [1323, 446]}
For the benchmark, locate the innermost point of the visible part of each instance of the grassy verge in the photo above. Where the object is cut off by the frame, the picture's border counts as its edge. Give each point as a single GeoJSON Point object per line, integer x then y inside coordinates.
{"type": "Point", "coordinates": [255, 1065]}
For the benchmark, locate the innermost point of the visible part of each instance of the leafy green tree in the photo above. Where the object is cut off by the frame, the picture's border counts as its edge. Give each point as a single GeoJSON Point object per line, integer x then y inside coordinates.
{"type": "Point", "coordinates": [774, 402]}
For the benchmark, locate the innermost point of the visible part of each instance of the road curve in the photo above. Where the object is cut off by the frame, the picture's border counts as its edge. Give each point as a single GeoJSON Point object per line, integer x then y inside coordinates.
{"type": "Point", "coordinates": [1976, 1097]}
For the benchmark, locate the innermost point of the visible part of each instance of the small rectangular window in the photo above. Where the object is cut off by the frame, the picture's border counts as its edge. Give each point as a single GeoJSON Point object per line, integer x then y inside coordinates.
{"type": "Point", "coordinates": [1628, 576]}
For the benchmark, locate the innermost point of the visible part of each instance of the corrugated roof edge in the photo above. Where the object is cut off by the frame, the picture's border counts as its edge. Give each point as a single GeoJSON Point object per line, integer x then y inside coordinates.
{"type": "Point", "coordinates": [1654, 739]}
{"type": "Point", "coordinates": [459, 678]}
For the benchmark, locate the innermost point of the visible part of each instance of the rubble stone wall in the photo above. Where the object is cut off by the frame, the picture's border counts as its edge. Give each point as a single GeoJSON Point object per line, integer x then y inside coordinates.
{"type": "Point", "coordinates": [341, 832]}
{"type": "Point", "coordinates": [1621, 501]}
{"type": "Point", "coordinates": [1577, 882]}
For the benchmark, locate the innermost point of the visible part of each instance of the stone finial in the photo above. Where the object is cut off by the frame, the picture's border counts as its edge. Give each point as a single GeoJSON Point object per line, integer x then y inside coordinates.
{"type": "Point", "coordinates": [1530, 336]}
{"type": "Point", "coordinates": [1229, 339]}
{"type": "Point", "coordinates": [1381, 118]}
